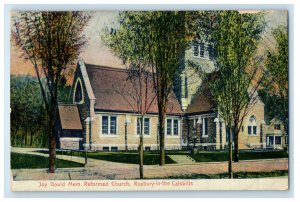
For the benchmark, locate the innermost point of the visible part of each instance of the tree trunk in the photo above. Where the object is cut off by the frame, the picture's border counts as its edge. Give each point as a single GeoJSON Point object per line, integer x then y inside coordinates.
{"type": "Point", "coordinates": [230, 174]}
{"type": "Point", "coordinates": [12, 140]}
{"type": "Point", "coordinates": [31, 138]}
{"type": "Point", "coordinates": [52, 142]}
{"type": "Point", "coordinates": [161, 129]}
{"type": "Point", "coordinates": [236, 143]}
{"type": "Point", "coordinates": [13, 137]}
{"type": "Point", "coordinates": [141, 148]}
{"type": "Point", "coordinates": [126, 134]}
{"type": "Point", "coordinates": [25, 138]}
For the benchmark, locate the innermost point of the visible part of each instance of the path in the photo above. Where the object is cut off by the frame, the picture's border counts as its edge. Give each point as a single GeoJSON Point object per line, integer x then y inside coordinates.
{"type": "Point", "coordinates": [182, 159]}
{"type": "Point", "coordinates": [99, 169]}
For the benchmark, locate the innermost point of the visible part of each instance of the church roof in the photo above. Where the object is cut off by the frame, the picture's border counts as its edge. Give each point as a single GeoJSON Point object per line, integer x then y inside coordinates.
{"type": "Point", "coordinates": [200, 104]}
{"type": "Point", "coordinates": [202, 101]}
{"type": "Point", "coordinates": [115, 92]}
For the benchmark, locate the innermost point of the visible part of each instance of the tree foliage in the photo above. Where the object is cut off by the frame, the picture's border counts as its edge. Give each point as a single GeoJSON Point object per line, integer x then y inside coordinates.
{"type": "Point", "coordinates": [51, 41]}
{"type": "Point", "coordinates": [28, 115]}
{"type": "Point", "coordinates": [235, 40]}
{"type": "Point", "coordinates": [275, 87]}
{"type": "Point", "coordinates": [234, 37]}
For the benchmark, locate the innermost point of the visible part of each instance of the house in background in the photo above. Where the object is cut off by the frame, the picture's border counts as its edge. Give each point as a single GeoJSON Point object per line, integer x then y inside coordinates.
{"type": "Point", "coordinates": [275, 135]}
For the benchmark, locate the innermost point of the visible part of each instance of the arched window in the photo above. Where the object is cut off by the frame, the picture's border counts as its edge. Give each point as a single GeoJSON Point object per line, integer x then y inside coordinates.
{"type": "Point", "coordinates": [252, 126]}
{"type": "Point", "coordinates": [78, 93]}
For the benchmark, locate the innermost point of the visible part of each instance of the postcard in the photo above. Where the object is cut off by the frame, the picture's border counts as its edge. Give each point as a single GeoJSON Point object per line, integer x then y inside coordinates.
{"type": "Point", "coordinates": [149, 100]}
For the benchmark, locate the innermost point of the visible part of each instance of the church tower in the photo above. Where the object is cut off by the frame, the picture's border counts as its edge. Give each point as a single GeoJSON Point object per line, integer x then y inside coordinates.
{"type": "Point", "coordinates": [194, 63]}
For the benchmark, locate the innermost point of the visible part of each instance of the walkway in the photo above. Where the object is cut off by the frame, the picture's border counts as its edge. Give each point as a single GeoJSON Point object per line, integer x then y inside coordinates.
{"type": "Point", "coordinates": [99, 169]}
{"type": "Point", "coordinates": [182, 159]}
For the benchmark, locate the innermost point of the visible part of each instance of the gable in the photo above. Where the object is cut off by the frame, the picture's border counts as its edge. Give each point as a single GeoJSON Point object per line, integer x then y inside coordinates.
{"type": "Point", "coordinates": [81, 83]}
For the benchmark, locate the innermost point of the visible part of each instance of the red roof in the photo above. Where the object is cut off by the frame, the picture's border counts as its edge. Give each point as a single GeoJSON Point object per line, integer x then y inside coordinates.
{"type": "Point", "coordinates": [202, 101]}
{"type": "Point", "coordinates": [69, 117]}
{"type": "Point", "coordinates": [115, 92]}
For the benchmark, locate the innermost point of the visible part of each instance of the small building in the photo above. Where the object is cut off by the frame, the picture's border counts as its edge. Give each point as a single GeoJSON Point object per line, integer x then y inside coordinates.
{"type": "Point", "coordinates": [69, 128]}
{"type": "Point", "coordinates": [275, 135]}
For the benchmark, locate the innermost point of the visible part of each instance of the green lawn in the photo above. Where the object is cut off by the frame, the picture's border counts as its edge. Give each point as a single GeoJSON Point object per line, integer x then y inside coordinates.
{"type": "Point", "coordinates": [33, 161]}
{"type": "Point", "coordinates": [152, 157]}
{"type": "Point", "coordinates": [243, 155]}
{"type": "Point", "coordinates": [237, 175]}
{"type": "Point", "coordinates": [121, 157]}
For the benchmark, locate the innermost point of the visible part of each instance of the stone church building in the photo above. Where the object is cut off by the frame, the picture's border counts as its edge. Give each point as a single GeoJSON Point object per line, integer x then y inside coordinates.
{"type": "Point", "coordinates": [99, 117]}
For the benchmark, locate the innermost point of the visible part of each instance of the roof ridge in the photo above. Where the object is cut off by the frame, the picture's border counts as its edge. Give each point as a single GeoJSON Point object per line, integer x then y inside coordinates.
{"type": "Point", "coordinates": [105, 67]}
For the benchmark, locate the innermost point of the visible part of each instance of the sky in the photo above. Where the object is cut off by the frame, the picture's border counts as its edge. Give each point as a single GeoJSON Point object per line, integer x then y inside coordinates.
{"type": "Point", "coordinates": [96, 53]}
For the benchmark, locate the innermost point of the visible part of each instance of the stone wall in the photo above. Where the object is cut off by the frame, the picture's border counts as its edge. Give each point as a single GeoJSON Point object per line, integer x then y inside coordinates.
{"type": "Point", "coordinates": [83, 107]}
{"type": "Point", "coordinates": [217, 138]}
{"type": "Point", "coordinates": [201, 141]}
{"type": "Point", "coordinates": [188, 78]}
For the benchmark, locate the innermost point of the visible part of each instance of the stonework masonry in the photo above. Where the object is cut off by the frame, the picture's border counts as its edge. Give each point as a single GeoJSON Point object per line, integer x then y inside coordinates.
{"type": "Point", "coordinates": [84, 106]}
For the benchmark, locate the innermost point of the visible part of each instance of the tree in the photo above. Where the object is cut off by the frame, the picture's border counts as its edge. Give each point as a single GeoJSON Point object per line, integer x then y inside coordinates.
{"type": "Point", "coordinates": [28, 116]}
{"type": "Point", "coordinates": [234, 37]}
{"type": "Point", "coordinates": [51, 41]}
{"type": "Point", "coordinates": [139, 91]}
{"type": "Point", "coordinates": [27, 112]}
{"type": "Point", "coordinates": [275, 86]}
{"type": "Point", "coordinates": [277, 69]}
{"type": "Point", "coordinates": [160, 36]}
{"type": "Point", "coordinates": [140, 95]}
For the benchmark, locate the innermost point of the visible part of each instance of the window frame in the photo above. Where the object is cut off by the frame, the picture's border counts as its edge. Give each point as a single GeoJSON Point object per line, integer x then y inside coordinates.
{"type": "Point", "coordinates": [110, 125]}
{"type": "Point", "coordinates": [105, 148]}
{"type": "Point", "coordinates": [107, 125]}
{"type": "Point", "coordinates": [177, 128]}
{"type": "Point", "coordinates": [254, 130]}
{"type": "Point", "coordinates": [136, 127]}
{"type": "Point", "coordinates": [171, 121]}
{"type": "Point", "coordinates": [78, 83]}
{"type": "Point", "coordinates": [196, 48]}
{"type": "Point", "coordinates": [205, 126]}
{"type": "Point", "coordinates": [202, 50]}
{"type": "Point", "coordinates": [276, 138]}
{"type": "Point", "coordinates": [275, 126]}
{"type": "Point", "coordinates": [109, 133]}
{"type": "Point", "coordinates": [114, 148]}
{"type": "Point", "coordinates": [249, 130]}
{"type": "Point", "coordinates": [172, 134]}
{"type": "Point", "coordinates": [253, 125]}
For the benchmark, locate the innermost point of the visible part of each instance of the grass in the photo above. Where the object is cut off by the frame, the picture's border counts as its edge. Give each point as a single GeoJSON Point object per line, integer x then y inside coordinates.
{"type": "Point", "coordinates": [121, 157]}
{"type": "Point", "coordinates": [243, 155]}
{"type": "Point", "coordinates": [33, 161]}
{"type": "Point", "coordinates": [237, 175]}
{"type": "Point", "coordinates": [152, 157]}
